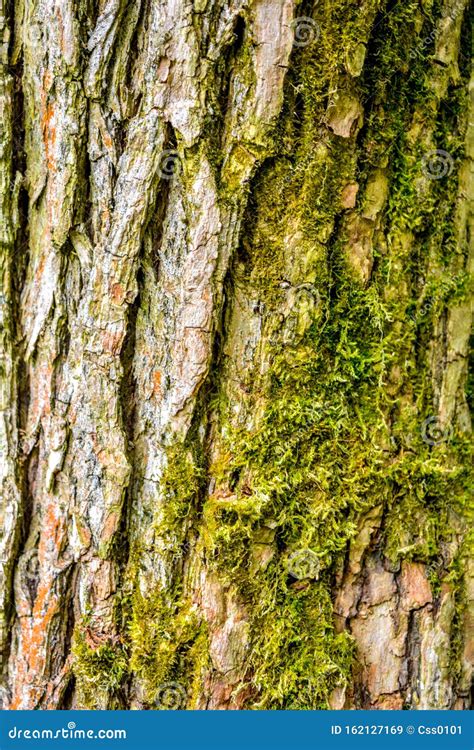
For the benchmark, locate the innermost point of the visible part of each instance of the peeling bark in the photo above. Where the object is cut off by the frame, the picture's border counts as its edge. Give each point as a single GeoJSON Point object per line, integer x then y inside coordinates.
{"type": "Point", "coordinates": [236, 313]}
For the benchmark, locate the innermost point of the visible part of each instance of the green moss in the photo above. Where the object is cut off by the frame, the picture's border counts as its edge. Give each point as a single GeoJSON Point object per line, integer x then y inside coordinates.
{"type": "Point", "coordinates": [168, 643]}
{"type": "Point", "coordinates": [297, 658]}
{"type": "Point", "coordinates": [164, 635]}
{"type": "Point", "coordinates": [181, 485]}
{"type": "Point", "coordinates": [162, 630]}
{"type": "Point", "coordinates": [307, 469]}
{"type": "Point", "coordinates": [99, 670]}
{"type": "Point", "coordinates": [333, 426]}
{"type": "Point", "coordinates": [330, 423]}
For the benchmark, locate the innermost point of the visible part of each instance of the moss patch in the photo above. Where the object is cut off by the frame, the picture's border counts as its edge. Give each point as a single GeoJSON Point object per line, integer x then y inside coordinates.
{"type": "Point", "coordinates": [333, 423]}
{"type": "Point", "coordinates": [100, 670]}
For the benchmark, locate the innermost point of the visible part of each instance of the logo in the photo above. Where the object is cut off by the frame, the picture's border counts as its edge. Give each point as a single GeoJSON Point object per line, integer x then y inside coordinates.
{"type": "Point", "coordinates": [305, 31]}
{"type": "Point", "coordinates": [433, 432]}
{"type": "Point", "coordinates": [437, 164]}
{"type": "Point", "coordinates": [171, 696]}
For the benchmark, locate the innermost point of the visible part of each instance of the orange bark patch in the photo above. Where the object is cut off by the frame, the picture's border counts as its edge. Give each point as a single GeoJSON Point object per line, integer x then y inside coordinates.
{"type": "Point", "coordinates": [112, 342]}
{"type": "Point", "coordinates": [41, 392]}
{"type": "Point", "coordinates": [110, 527]}
{"type": "Point", "coordinates": [43, 613]}
{"type": "Point", "coordinates": [54, 530]}
{"type": "Point", "coordinates": [415, 587]}
{"type": "Point", "coordinates": [118, 293]}
{"type": "Point", "coordinates": [108, 143]}
{"type": "Point", "coordinates": [33, 646]}
{"type": "Point", "coordinates": [35, 630]}
{"type": "Point", "coordinates": [157, 383]}
{"type": "Point", "coordinates": [49, 135]}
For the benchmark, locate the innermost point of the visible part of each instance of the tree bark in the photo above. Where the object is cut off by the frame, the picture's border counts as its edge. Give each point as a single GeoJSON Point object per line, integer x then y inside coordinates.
{"type": "Point", "coordinates": [236, 309]}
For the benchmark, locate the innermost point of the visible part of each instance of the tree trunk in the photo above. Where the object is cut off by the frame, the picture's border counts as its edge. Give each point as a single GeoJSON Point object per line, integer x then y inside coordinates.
{"type": "Point", "coordinates": [236, 312]}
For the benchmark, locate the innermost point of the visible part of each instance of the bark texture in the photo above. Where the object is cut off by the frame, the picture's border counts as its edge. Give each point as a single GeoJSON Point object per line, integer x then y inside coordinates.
{"type": "Point", "coordinates": [236, 308]}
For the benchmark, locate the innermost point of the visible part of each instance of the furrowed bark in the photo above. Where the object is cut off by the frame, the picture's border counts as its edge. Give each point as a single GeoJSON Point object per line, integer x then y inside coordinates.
{"type": "Point", "coordinates": [236, 314]}
{"type": "Point", "coordinates": [9, 479]}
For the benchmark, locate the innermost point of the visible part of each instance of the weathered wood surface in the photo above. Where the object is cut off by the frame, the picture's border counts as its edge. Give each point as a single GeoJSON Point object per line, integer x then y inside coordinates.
{"type": "Point", "coordinates": [235, 312]}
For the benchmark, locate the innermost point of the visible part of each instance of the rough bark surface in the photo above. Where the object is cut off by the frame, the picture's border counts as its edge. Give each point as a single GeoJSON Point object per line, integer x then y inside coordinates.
{"type": "Point", "coordinates": [236, 244]}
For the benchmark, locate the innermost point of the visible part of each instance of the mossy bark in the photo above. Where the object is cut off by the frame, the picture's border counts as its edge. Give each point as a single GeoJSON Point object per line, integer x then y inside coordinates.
{"type": "Point", "coordinates": [236, 309]}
